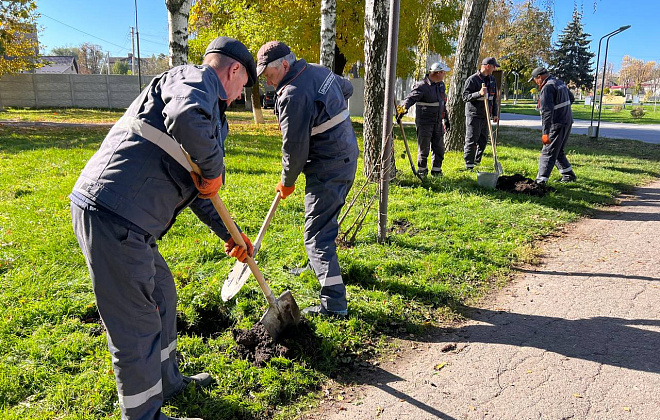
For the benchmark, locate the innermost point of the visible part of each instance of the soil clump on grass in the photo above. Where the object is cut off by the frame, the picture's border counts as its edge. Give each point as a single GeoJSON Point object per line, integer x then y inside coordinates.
{"type": "Point", "coordinates": [258, 347]}
{"type": "Point", "coordinates": [517, 183]}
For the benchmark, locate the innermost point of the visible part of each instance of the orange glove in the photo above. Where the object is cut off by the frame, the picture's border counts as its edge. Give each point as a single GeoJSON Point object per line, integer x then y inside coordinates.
{"type": "Point", "coordinates": [234, 250]}
{"type": "Point", "coordinates": [284, 191]}
{"type": "Point", "coordinates": [207, 187]}
{"type": "Point", "coordinates": [545, 139]}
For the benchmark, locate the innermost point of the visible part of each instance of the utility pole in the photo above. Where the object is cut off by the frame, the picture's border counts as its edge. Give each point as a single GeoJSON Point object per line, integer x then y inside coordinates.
{"type": "Point", "coordinates": [107, 61]}
{"type": "Point", "coordinates": [137, 36]}
{"type": "Point", "coordinates": [133, 53]}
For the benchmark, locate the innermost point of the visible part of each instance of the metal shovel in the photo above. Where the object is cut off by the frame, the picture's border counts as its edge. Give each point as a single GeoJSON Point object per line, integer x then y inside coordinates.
{"type": "Point", "coordinates": [283, 311]}
{"type": "Point", "coordinates": [498, 166]}
{"type": "Point", "coordinates": [241, 271]}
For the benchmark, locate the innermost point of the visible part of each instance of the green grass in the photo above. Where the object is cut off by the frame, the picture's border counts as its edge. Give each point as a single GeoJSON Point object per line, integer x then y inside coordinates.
{"type": "Point", "coordinates": [583, 112]}
{"type": "Point", "coordinates": [461, 242]}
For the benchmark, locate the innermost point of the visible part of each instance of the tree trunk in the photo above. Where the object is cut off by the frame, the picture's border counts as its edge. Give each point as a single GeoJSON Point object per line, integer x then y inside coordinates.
{"type": "Point", "coordinates": [257, 113]}
{"type": "Point", "coordinates": [375, 55]}
{"type": "Point", "coordinates": [328, 20]}
{"type": "Point", "coordinates": [177, 19]}
{"type": "Point", "coordinates": [467, 59]}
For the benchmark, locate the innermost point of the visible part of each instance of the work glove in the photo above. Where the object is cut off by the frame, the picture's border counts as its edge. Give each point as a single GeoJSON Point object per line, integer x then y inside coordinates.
{"type": "Point", "coordinates": [400, 112]}
{"type": "Point", "coordinates": [207, 187]}
{"type": "Point", "coordinates": [284, 191]}
{"type": "Point", "coordinates": [234, 250]}
{"type": "Point", "coordinates": [545, 139]}
{"type": "Point", "coordinates": [445, 123]}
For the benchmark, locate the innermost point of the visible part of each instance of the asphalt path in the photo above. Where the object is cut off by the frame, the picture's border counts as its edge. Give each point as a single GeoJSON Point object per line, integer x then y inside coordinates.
{"type": "Point", "coordinates": [647, 133]}
{"type": "Point", "coordinates": [576, 337]}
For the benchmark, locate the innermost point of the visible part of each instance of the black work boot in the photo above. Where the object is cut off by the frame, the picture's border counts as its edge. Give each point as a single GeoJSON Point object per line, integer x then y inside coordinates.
{"type": "Point", "coordinates": [319, 310]}
{"type": "Point", "coordinates": [436, 173]}
{"type": "Point", "coordinates": [201, 380]}
{"type": "Point", "coordinates": [568, 177]}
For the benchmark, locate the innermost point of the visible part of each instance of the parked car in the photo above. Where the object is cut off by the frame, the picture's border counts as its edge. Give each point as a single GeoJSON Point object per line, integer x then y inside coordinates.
{"type": "Point", "coordinates": [269, 100]}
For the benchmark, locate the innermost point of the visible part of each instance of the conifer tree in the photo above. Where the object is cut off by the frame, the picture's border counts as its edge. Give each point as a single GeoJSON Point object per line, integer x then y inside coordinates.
{"type": "Point", "coordinates": [571, 59]}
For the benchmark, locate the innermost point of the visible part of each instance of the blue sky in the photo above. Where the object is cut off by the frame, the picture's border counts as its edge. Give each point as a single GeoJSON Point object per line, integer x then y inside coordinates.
{"type": "Point", "coordinates": [107, 23]}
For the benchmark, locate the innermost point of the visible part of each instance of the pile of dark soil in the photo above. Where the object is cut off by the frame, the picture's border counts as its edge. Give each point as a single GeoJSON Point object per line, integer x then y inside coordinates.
{"type": "Point", "coordinates": [517, 183]}
{"type": "Point", "coordinates": [258, 347]}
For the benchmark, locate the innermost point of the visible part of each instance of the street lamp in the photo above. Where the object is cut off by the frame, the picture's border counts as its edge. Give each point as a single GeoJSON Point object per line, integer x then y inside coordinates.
{"type": "Point", "coordinates": [593, 132]}
{"type": "Point", "coordinates": [515, 87]}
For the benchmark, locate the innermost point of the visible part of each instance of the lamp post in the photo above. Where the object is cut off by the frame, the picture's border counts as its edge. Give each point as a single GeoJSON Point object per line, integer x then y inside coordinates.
{"type": "Point", "coordinates": [593, 132]}
{"type": "Point", "coordinates": [515, 87]}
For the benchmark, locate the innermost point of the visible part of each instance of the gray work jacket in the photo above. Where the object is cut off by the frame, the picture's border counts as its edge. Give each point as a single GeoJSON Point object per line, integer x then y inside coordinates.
{"type": "Point", "coordinates": [474, 102]}
{"type": "Point", "coordinates": [133, 178]}
{"type": "Point", "coordinates": [555, 101]}
{"type": "Point", "coordinates": [308, 96]}
{"type": "Point", "coordinates": [431, 101]}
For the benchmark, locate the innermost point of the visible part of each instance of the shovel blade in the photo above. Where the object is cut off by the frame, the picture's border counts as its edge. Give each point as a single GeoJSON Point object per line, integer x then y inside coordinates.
{"type": "Point", "coordinates": [235, 281]}
{"type": "Point", "coordinates": [284, 314]}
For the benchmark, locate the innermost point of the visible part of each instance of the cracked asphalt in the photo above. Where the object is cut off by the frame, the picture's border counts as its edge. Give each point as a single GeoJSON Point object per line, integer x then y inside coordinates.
{"type": "Point", "coordinates": [576, 337]}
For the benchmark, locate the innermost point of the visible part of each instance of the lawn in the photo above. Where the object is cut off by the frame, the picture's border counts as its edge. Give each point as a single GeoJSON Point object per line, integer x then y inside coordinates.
{"type": "Point", "coordinates": [583, 112]}
{"type": "Point", "coordinates": [450, 243]}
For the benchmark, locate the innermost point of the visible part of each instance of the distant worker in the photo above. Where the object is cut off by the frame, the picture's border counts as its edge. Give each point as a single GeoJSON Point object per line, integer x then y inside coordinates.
{"type": "Point", "coordinates": [478, 86]}
{"type": "Point", "coordinates": [317, 140]}
{"type": "Point", "coordinates": [431, 118]}
{"type": "Point", "coordinates": [129, 195]}
{"type": "Point", "coordinates": [554, 104]}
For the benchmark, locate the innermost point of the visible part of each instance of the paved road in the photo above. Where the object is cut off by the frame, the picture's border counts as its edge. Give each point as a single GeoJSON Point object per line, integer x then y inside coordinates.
{"type": "Point", "coordinates": [648, 133]}
{"type": "Point", "coordinates": [577, 337]}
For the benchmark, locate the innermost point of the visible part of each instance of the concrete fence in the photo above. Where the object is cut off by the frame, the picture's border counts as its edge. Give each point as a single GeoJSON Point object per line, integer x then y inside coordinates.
{"type": "Point", "coordinates": [69, 90]}
{"type": "Point", "coordinates": [97, 91]}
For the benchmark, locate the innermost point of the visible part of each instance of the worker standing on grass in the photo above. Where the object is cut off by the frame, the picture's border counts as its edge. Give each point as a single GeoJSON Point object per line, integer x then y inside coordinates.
{"type": "Point", "coordinates": [431, 118]}
{"type": "Point", "coordinates": [478, 86]}
{"type": "Point", "coordinates": [555, 101]}
{"type": "Point", "coordinates": [128, 196]}
{"type": "Point", "coordinates": [317, 140]}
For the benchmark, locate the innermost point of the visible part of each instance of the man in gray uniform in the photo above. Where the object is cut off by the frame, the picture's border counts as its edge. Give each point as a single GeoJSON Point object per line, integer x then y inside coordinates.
{"type": "Point", "coordinates": [477, 86]}
{"type": "Point", "coordinates": [317, 140]}
{"type": "Point", "coordinates": [431, 118]}
{"type": "Point", "coordinates": [128, 196]}
{"type": "Point", "coordinates": [555, 101]}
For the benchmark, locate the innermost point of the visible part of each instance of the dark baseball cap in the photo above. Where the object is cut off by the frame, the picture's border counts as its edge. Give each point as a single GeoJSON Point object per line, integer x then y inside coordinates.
{"type": "Point", "coordinates": [537, 72]}
{"type": "Point", "coordinates": [270, 52]}
{"type": "Point", "coordinates": [491, 61]}
{"type": "Point", "coordinates": [235, 49]}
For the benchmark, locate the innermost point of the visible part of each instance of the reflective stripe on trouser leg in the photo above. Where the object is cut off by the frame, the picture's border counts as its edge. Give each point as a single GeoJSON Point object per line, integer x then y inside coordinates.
{"type": "Point", "coordinates": [424, 133]}
{"type": "Point", "coordinates": [325, 195]}
{"type": "Point", "coordinates": [121, 265]}
{"type": "Point", "coordinates": [476, 138]}
{"type": "Point", "coordinates": [166, 299]}
{"type": "Point", "coordinates": [437, 147]}
{"type": "Point", "coordinates": [553, 153]}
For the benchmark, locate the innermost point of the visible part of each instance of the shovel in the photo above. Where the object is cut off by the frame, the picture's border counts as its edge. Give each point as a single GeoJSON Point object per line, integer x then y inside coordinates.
{"type": "Point", "coordinates": [283, 311]}
{"type": "Point", "coordinates": [489, 179]}
{"type": "Point", "coordinates": [405, 142]}
{"type": "Point", "coordinates": [241, 271]}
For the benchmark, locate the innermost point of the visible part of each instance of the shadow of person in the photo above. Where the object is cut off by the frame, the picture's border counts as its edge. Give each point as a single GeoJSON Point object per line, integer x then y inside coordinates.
{"type": "Point", "coordinates": [627, 343]}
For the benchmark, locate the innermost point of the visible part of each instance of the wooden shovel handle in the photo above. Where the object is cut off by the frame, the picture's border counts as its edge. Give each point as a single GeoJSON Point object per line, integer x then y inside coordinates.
{"type": "Point", "coordinates": [236, 235]}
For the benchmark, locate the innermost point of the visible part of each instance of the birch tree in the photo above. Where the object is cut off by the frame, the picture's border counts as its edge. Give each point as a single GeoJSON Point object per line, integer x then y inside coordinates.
{"type": "Point", "coordinates": [467, 58]}
{"type": "Point", "coordinates": [375, 55]}
{"type": "Point", "coordinates": [18, 42]}
{"type": "Point", "coordinates": [328, 31]}
{"type": "Point", "coordinates": [177, 19]}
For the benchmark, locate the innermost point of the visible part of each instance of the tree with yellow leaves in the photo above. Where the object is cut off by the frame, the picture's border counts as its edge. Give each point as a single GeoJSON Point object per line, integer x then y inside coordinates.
{"type": "Point", "coordinates": [18, 44]}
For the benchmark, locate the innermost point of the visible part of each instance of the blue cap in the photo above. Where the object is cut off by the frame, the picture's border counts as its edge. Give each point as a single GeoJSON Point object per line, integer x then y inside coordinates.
{"type": "Point", "coordinates": [235, 49]}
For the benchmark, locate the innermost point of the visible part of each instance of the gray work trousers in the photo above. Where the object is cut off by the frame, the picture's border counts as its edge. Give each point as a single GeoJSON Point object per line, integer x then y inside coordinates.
{"type": "Point", "coordinates": [136, 298]}
{"type": "Point", "coordinates": [430, 136]}
{"type": "Point", "coordinates": [553, 154]}
{"type": "Point", "coordinates": [325, 195]}
{"type": "Point", "coordinates": [476, 139]}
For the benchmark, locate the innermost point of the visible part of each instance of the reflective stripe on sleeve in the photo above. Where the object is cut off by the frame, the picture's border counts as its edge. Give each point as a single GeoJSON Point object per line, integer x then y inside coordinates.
{"type": "Point", "coordinates": [337, 119]}
{"type": "Point", "coordinates": [429, 103]}
{"type": "Point", "coordinates": [563, 104]}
